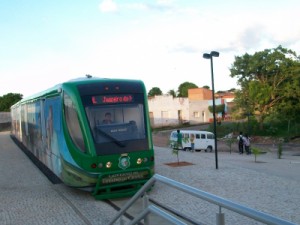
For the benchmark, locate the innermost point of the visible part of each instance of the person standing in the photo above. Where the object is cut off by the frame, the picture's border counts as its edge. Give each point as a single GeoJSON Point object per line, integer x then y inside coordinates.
{"type": "Point", "coordinates": [179, 139]}
{"type": "Point", "coordinates": [247, 144]}
{"type": "Point", "coordinates": [192, 140]}
{"type": "Point", "coordinates": [241, 143]}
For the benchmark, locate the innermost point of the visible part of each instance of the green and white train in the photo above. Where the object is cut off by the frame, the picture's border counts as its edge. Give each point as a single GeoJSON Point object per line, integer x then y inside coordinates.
{"type": "Point", "coordinates": [64, 128]}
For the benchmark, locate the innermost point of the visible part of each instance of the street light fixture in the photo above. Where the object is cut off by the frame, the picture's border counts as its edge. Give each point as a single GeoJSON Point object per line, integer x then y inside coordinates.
{"type": "Point", "coordinates": [210, 56]}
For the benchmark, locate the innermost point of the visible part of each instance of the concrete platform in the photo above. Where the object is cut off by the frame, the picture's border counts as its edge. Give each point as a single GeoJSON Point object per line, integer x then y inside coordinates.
{"type": "Point", "coordinates": [28, 197]}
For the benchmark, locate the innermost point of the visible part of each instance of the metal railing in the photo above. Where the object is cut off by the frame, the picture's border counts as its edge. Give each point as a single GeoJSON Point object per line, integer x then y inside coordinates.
{"type": "Point", "coordinates": [221, 202]}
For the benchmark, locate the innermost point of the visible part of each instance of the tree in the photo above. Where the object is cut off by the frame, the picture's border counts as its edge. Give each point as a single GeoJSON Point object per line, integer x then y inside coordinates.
{"type": "Point", "coordinates": [183, 88]}
{"type": "Point", "coordinates": [172, 92]}
{"type": "Point", "coordinates": [154, 91]}
{"type": "Point", "coordinates": [6, 101]}
{"type": "Point", "coordinates": [292, 93]}
{"type": "Point", "coordinates": [218, 109]}
{"type": "Point", "coordinates": [232, 90]}
{"type": "Point", "coordinates": [288, 110]}
{"type": "Point", "coordinates": [265, 79]}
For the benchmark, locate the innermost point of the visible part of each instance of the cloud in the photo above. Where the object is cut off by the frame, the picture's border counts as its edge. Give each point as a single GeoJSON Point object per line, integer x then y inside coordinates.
{"type": "Point", "coordinates": [252, 37]}
{"type": "Point", "coordinates": [160, 6]}
{"type": "Point", "coordinates": [108, 6]}
{"type": "Point", "coordinates": [184, 48]}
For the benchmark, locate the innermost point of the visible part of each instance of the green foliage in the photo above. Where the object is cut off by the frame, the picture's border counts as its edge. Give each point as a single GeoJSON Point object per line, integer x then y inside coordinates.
{"type": "Point", "coordinates": [172, 92]}
{"type": "Point", "coordinates": [6, 101]}
{"type": "Point", "coordinates": [270, 82]}
{"type": "Point", "coordinates": [272, 127]}
{"type": "Point", "coordinates": [229, 141]}
{"type": "Point", "coordinates": [175, 147]}
{"type": "Point", "coordinates": [256, 151]}
{"type": "Point", "coordinates": [183, 88]}
{"type": "Point", "coordinates": [218, 108]}
{"type": "Point", "coordinates": [176, 152]}
{"type": "Point", "coordinates": [154, 91]}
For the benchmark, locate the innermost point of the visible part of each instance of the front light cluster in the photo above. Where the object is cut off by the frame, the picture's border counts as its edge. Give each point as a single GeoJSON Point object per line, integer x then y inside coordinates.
{"type": "Point", "coordinates": [108, 164]}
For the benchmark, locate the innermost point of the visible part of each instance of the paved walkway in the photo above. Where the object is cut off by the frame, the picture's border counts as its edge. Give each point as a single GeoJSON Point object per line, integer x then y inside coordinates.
{"type": "Point", "coordinates": [27, 197]}
{"type": "Point", "coordinates": [271, 185]}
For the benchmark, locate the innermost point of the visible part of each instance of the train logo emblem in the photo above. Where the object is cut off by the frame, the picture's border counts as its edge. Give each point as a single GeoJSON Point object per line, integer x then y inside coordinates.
{"type": "Point", "coordinates": [124, 162]}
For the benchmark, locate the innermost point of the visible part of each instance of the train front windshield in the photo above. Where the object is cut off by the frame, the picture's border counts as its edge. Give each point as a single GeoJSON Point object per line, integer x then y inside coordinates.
{"type": "Point", "coordinates": [117, 122]}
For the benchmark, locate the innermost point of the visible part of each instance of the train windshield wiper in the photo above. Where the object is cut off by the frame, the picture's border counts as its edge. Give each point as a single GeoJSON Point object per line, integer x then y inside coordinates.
{"type": "Point", "coordinates": [116, 141]}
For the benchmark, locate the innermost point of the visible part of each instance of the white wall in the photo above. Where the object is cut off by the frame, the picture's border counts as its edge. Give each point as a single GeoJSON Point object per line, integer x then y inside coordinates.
{"type": "Point", "coordinates": [164, 109]}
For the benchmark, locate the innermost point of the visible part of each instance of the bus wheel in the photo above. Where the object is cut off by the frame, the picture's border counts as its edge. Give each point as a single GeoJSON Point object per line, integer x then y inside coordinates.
{"type": "Point", "coordinates": [208, 149]}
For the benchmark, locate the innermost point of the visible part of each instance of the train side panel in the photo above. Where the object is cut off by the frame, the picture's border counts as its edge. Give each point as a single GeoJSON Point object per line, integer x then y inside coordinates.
{"type": "Point", "coordinates": [37, 125]}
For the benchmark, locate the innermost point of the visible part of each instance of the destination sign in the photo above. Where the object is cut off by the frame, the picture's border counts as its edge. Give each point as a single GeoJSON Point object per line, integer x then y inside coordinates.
{"type": "Point", "coordinates": [112, 99]}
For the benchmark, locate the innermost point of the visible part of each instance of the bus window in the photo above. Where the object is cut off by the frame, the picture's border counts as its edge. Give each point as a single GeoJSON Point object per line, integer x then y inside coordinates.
{"type": "Point", "coordinates": [186, 135]}
{"type": "Point", "coordinates": [174, 134]}
{"type": "Point", "coordinates": [197, 136]}
{"type": "Point", "coordinates": [210, 136]}
{"type": "Point", "coordinates": [203, 136]}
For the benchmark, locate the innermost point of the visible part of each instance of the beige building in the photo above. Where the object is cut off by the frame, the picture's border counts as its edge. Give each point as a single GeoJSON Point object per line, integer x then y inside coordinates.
{"type": "Point", "coordinates": [168, 111]}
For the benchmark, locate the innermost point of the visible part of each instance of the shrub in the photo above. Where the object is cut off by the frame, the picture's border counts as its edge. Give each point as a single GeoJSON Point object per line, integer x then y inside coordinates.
{"type": "Point", "coordinates": [256, 151]}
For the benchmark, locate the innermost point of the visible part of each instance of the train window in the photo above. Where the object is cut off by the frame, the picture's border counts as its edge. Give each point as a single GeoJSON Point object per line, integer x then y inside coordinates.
{"type": "Point", "coordinates": [73, 123]}
{"type": "Point", "coordinates": [117, 123]}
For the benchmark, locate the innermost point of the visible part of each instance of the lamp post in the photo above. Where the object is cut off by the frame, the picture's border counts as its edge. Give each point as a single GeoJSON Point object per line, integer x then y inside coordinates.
{"type": "Point", "coordinates": [210, 56]}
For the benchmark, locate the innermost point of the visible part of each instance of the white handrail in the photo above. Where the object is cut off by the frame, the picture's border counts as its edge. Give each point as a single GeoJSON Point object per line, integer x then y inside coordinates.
{"type": "Point", "coordinates": [221, 202]}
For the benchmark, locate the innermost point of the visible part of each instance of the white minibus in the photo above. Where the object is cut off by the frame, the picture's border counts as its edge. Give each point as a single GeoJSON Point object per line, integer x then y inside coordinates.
{"type": "Point", "coordinates": [203, 140]}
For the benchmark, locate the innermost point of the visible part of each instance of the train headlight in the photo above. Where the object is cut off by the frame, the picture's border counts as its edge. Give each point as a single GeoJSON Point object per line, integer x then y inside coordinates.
{"type": "Point", "coordinates": [139, 161]}
{"type": "Point", "coordinates": [100, 165]}
{"type": "Point", "coordinates": [108, 165]}
{"type": "Point", "coordinates": [145, 160]}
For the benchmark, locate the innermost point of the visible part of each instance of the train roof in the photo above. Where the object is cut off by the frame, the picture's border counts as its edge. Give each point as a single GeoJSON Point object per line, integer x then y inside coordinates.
{"type": "Point", "coordinates": [55, 90]}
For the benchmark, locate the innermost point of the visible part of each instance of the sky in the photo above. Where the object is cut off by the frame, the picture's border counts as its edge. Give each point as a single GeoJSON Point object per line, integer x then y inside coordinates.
{"type": "Point", "coordinates": [161, 42]}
